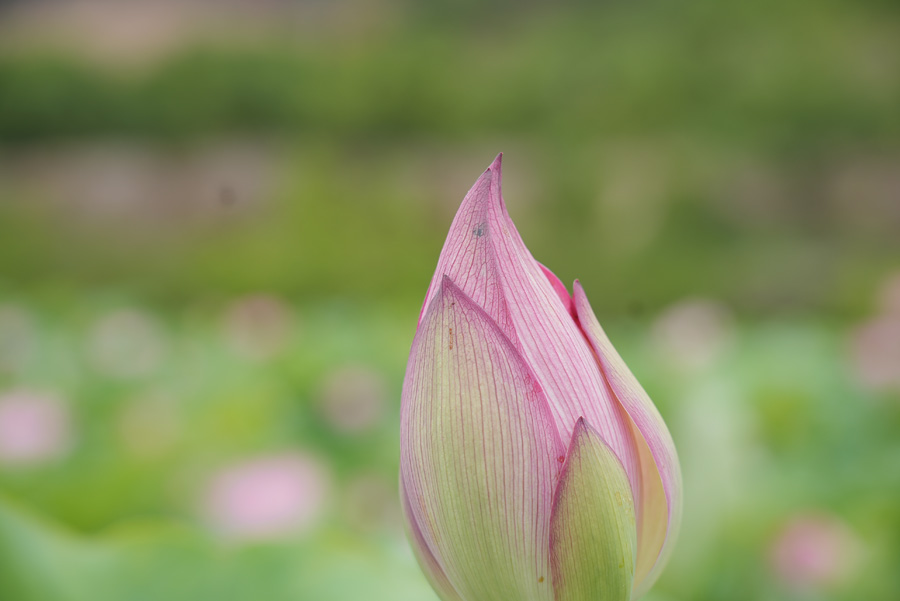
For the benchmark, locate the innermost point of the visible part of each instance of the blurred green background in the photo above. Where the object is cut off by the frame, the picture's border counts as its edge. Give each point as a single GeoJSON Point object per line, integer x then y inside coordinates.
{"type": "Point", "coordinates": [218, 220]}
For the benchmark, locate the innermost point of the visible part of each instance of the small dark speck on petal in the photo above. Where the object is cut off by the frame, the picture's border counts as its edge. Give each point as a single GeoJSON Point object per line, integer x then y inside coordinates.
{"type": "Point", "coordinates": [541, 579]}
{"type": "Point", "coordinates": [561, 458]}
{"type": "Point", "coordinates": [479, 230]}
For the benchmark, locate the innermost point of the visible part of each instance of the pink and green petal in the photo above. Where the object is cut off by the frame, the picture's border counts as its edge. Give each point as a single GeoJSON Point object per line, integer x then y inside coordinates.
{"type": "Point", "coordinates": [479, 454]}
{"type": "Point", "coordinates": [593, 537]}
{"type": "Point", "coordinates": [485, 256]}
{"type": "Point", "coordinates": [660, 501]}
{"type": "Point", "coordinates": [469, 260]}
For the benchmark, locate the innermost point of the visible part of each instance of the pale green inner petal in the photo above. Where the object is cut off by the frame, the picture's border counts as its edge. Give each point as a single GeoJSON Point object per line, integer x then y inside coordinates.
{"type": "Point", "coordinates": [593, 532]}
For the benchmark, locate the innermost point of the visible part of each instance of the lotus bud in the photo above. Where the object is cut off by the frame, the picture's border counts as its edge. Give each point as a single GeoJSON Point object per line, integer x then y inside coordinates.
{"type": "Point", "coordinates": [533, 466]}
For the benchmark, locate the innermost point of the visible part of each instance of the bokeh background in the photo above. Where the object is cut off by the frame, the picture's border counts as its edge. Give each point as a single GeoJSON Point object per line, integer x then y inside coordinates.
{"type": "Point", "coordinates": [218, 220]}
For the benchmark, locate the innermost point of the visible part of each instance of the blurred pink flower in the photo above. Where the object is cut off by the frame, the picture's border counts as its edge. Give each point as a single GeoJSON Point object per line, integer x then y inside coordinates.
{"type": "Point", "coordinates": [354, 398]}
{"type": "Point", "coordinates": [875, 353]}
{"type": "Point", "coordinates": [815, 552]}
{"type": "Point", "coordinates": [259, 326]}
{"type": "Point", "coordinates": [34, 428]}
{"type": "Point", "coordinates": [267, 497]}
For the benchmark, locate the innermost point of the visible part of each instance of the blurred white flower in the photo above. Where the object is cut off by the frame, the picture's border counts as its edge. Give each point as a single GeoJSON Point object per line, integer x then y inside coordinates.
{"type": "Point", "coordinates": [267, 497]}
{"type": "Point", "coordinates": [815, 552]}
{"type": "Point", "coordinates": [353, 398]}
{"type": "Point", "coordinates": [693, 333]}
{"type": "Point", "coordinates": [875, 353]}
{"type": "Point", "coordinates": [34, 428]}
{"type": "Point", "coordinates": [259, 326]}
{"type": "Point", "coordinates": [127, 343]}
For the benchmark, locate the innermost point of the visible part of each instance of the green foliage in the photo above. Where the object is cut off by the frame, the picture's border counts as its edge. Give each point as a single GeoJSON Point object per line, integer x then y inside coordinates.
{"type": "Point", "coordinates": [741, 152]}
{"type": "Point", "coordinates": [770, 428]}
{"type": "Point", "coordinates": [154, 562]}
{"type": "Point", "coordinates": [705, 145]}
{"type": "Point", "coordinates": [784, 77]}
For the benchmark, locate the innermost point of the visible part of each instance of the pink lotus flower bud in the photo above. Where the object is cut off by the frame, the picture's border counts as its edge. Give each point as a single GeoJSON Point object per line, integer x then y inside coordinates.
{"type": "Point", "coordinates": [533, 466]}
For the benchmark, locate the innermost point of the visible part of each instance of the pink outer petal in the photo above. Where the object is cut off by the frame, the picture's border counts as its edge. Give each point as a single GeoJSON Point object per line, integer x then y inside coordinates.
{"type": "Point", "coordinates": [469, 260]}
{"type": "Point", "coordinates": [479, 455]}
{"type": "Point", "coordinates": [659, 510]}
{"type": "Point", "coordinates": [485, 256]}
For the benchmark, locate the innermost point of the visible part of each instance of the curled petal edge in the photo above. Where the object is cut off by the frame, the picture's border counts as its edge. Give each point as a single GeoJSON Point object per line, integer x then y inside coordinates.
{"type": "Point", "coordinates": [660, 506]}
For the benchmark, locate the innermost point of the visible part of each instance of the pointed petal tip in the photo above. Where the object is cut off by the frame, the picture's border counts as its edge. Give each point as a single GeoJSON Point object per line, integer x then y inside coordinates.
{"type": "Point", "coordinates": [436, 291]}
{"type": "Point", "coordinates": [497, 163]}
{"type": "Point", "coordinates": [450, 289]}
{"type": "Point", "coordinates": [496, 170]}
{"type": "Point", "coordinates": [581, 429]}
{"type": "Point", "coordinates": [483, 194]}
